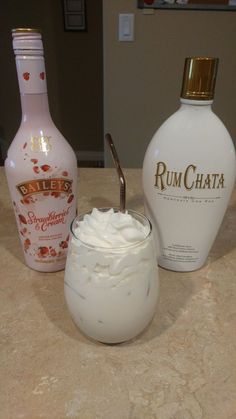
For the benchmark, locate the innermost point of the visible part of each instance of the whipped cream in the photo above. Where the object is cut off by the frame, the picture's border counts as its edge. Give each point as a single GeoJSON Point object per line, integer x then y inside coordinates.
{"type": "Point", "coordinates": [110, 229]}
{"type": "Point", "coordinates": [111, 276]}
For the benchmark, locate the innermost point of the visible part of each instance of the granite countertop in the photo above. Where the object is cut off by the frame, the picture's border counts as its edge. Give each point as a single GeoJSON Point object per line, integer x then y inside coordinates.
{"type": "Point", "coordinates": [182, 367]}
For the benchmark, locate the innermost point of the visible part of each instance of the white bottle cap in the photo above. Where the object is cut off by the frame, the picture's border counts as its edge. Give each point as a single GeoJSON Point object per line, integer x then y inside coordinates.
{"type": "Point", "coordinates": [27, 41]}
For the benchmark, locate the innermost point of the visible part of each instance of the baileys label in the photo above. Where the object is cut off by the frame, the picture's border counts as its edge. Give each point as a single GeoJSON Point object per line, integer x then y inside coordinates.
{"type": "Point", "coordinates": [45, 185]}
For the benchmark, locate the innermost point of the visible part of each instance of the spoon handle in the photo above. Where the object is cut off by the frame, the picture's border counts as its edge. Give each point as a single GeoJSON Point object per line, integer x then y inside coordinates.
{"type": "Point", "coordinates": [119, 172]}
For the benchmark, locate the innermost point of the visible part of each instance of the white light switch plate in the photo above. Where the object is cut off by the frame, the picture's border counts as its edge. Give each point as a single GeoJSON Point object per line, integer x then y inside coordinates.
{"type": "Point", "coordinates": [126, 27]}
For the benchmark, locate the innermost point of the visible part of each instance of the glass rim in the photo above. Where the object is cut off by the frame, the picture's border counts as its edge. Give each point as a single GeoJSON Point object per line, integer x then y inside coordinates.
{"type": "Point", "coordinates": [118, 247]}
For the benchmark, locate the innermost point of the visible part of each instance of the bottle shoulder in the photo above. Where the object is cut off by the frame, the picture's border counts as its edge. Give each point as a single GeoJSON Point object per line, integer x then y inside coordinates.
{"type": "Point", "coordinates": [188, 116]}
{"type": "Point", "coordinates": [46, 146]}
{"type": "Point", "coordinates": [189, 123]}
{"type": "Point", "coordinates": [45, 140]}
{"type": "Point", "coordinates": [188, 134]}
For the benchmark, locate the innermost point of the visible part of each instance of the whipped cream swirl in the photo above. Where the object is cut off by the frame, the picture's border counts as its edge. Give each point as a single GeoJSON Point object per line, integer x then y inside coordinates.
{"type": "Point", "coordinates": [110, 229]}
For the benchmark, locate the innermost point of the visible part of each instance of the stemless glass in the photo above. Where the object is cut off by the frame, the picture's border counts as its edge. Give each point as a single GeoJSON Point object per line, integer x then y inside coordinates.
{"type": "Point", "coordinates": [111, 293]}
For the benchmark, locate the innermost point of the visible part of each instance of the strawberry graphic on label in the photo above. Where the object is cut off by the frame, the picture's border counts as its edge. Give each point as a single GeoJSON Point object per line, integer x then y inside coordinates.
{"type": "Point", "coordinates": [65, 173]}
{"type": "Point", "coordinates": [42, 75]}
{"type": "Point", "coordinates": [35, 161]}
{"type": "Point", "coordinates": [24, 231]}
{"type": "Point", "coordinates": [27, 244]}
{"type": "Point", "coordinates": [53, 252]}
{"type": "Point", "coordinates": [45, 167]}
{"type": "Point", "coordinates": [22, 219]}
{"type": "Point", "coordinates": [26, 75]}
{"type": "Point", "coordinates": [26, 200]}
{"type": "Point", "coordinates": [63, 245]}
{"type": "Point", "coordinates": [43, 251]}
{"type": "Point", "coordinates": [55, 194]}
{"type": "Point", "coordinates": [36, 169]}
{"type": "Point", "coordinates": [70, 199]}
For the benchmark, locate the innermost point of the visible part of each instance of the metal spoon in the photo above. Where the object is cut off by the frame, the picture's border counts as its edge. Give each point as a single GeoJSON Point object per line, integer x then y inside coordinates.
{"type": "Point", "coordinates": [119, 172]}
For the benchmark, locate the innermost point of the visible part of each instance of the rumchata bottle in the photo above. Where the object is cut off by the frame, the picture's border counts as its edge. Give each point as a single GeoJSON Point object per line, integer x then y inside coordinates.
{"type": "Point", "coordinates": [189, 173]}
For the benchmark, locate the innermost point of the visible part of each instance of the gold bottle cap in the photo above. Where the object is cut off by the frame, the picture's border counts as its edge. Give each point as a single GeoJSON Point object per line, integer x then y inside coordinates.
{"type": "Point", "coordinates": [199, 78]}
{"type": "Point", "coordinates": [26, 30]}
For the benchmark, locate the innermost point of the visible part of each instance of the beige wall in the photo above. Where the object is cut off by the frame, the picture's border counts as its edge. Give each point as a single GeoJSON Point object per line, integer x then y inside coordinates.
{"type": "Point", "coordinates": [142, 79]}
{"type": "Point", "coordinates": [74, 71]}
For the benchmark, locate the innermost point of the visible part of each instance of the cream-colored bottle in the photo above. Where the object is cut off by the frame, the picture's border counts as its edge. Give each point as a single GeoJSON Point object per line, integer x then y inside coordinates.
{"type": "Point", "coordinates": [189, 173]}
{"type": "Point", "coordinates": [41, 167]}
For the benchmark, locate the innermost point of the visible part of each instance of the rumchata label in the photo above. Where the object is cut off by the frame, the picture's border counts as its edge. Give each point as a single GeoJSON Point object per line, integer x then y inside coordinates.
{"type": "Point", "coordinates": [188, 179]}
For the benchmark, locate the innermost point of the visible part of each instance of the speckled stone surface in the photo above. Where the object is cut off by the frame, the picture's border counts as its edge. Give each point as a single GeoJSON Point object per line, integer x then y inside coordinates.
{"type": "Point", "coordinates": [182, 367]}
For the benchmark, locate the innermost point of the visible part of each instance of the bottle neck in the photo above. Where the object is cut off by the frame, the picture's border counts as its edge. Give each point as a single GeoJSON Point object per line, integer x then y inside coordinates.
{"type": "Point", "coordinates": [33, 88]}
{"type": "Point", "coordinates": [35, 108]}
{"type": "Point", "coordinates": [190, 102]}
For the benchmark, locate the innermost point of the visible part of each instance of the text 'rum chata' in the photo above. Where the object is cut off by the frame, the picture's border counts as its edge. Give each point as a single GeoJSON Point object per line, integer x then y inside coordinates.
{"type": "Point", "coordinates": [41, 166]}
{"type": "Point", "coordinates": [189, 173]}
